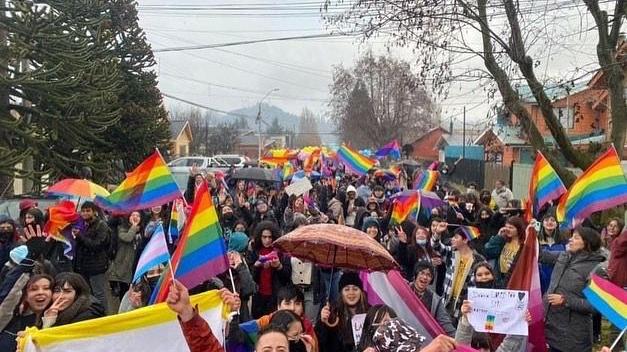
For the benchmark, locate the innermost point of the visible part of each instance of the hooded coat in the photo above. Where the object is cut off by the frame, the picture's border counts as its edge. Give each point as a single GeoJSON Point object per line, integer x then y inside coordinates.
{"type": "Point", "coordinates": [568, 327]}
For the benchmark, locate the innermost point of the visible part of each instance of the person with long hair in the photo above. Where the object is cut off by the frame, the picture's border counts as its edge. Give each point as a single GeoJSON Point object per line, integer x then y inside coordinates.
{"type": "Point", "coordinates": [568, 315]}
{"type": "Point", "coordinates": [122, 266]}
{"type": "Point", "coordinates": [414, 248]}
{"type": "Point", "coordinates": [334, 328]}
{"type": "Point", "coordinates": [270, 269]}
{"type": "Point", "coordinates": [36, 297]}
{"type": "Point", "coordinates": [550, 240]}
{"type": "Point", "coordinates": [377, 315]}
{"type": "Point", "coordinates": [504, 248]}
{"type": "Point", "coordinates": [71, 302]}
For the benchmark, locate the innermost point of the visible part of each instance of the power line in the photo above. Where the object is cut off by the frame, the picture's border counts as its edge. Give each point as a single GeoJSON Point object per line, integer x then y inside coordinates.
{"type": "Point", "coordinates": [254, 41]}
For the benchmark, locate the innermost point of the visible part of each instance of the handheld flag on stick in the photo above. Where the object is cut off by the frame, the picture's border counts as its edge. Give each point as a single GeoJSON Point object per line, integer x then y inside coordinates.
{"type": "Point", "coordinates": [392, 149]}
{"type": "Point", "coordinates": [201, 252]}
{"type": "Point", "coordinates": [177, 220]}
{"type": "Point", "coordinates": [544, 186]}
{"type": "Point", "coordinates": [354, 161]}
{"type": "Point", "coordinates": [150, 184]}
{"type": "Point", "coordinates": [609, 299]}
{"type": "Point", "coordinates": [602, 186]}
{"type": "Point", "coordinates": [60, 216]}
{"type": "Point", "coordinates": [405, 205]}
{"type": "Point", "coordinates": [426, 180]}
{"type": "Point", "coordinates": [155, 253]}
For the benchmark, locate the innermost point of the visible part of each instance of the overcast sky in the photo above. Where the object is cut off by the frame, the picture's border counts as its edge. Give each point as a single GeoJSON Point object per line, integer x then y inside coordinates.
{"type": "Point", "coordinates": [239, 76]}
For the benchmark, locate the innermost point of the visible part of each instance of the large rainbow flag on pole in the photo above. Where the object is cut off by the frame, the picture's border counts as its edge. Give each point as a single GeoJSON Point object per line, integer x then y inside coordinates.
{"type": "Point", "coordinates": [544, 186]}
{"type": "Point", "coordinates": [149, 185]}
{"type": "Point", "coordinates": [153, 328]}
{"type": "Point", "coordinates": [354, 161]}
{"type": "Point", "coordinates": [201, 252]}
{"type": "Point", "coordinates": [392, 149]}
{"type": "Point", "coordinates": [609, 299]}
{"type": "Point", "coordinates": [602, 186]}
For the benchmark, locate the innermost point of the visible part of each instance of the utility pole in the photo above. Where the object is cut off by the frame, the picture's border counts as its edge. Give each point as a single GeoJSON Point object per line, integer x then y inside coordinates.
{"type": "Point", "coordinates": [258, 120]}
{"type": "Point", "coordinates": [464, 135]}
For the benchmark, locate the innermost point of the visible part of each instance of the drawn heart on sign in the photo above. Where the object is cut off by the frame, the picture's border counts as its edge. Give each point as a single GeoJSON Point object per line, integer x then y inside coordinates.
{"type": "Point", "coordinates": [521, 295]}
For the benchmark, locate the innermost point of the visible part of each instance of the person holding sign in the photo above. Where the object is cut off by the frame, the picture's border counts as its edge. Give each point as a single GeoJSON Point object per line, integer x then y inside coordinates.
{"type": "Point", "coordinates": [568, 324]}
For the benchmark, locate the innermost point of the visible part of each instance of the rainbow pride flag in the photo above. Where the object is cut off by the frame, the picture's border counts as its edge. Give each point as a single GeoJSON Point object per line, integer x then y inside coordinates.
{"type": "Point", "coordinates": [177, 220]}
{"type": "Point", "coordinates": [544, 186]}
{"type": "Point", "coordinates": [288, 171]}
{"type": "Point", "coordinates": [404, 206]}
{"type": "Point", "coordinates": [311, 160]}
{"type": "Point", "coordinates": [149, 185]}
{"type": "Point", "coordinates": [609, 299]}
{"type": "Point", "coordinates": [60, 216]}
{"type": "Point", "coordinates": [201, 252]}
{"type": "Point", "coordinates": [426, 180]}
{"type": "Point", "coordinates": [471, 232]}
{"type": "Point", "coordinates": [354, 161]}
{"type": "Point", "coordinates": [602, 186]}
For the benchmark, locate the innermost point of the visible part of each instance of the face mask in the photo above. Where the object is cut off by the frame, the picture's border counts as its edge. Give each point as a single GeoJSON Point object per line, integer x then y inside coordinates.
{"type": "Point", "coordinates": [297, 346]}
{"type": "Point", "coordinates": [5, 235]}
{"type": "Point", "coordinates": [488, 284]}
{"type": "Point", "coordinates": [227, 216]}
{"type": "Point", "coordinates": [421, 242]}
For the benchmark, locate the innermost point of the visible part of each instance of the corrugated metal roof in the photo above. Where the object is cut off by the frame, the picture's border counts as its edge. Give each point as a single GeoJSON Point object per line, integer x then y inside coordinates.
{"type": "Point", "coordinates": [554, 92]}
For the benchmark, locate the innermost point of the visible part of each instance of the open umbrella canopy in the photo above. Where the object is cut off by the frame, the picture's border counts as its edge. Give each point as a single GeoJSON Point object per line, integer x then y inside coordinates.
{"type": "Point", "coordinates": [254, 174]}
{"type": "Point", "coordinates": [337, 246]}
{"type": "Point", "coordinates": [78, 187]}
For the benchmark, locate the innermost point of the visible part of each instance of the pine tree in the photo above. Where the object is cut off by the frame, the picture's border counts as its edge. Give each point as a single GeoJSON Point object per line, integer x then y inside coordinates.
{"type": "Point", "coordinates": [59, 87]}
{"type": "Point", "coordinates": [143, 123]}
{"type": "Point", "coordinates": [308, 134]}
{"type": "Point", "coordinates": [358, 117]}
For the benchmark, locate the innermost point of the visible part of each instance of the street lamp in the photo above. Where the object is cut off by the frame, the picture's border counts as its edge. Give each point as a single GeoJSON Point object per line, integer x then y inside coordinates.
{"type": "Point", "coordinates": [258, 120]}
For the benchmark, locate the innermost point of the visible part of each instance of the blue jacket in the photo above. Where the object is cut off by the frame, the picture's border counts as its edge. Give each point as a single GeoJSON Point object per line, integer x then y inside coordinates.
{"type": "Point", "coordinates": [547, 269]}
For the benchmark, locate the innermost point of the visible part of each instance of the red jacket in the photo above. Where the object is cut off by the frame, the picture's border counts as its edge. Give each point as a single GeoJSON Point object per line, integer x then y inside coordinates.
{"type": "Point", "coordinates": [199, 336]}
{"type": "Point", "coordinates": [618, 261]}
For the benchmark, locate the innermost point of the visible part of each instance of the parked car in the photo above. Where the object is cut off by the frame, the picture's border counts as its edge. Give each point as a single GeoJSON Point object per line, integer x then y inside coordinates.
{"type": "Point", "coordinates": [11, 206]}
{"type": "Point", "coordinates": [232, 159]}
{"type": "Point", "coordinates": [202, 162]}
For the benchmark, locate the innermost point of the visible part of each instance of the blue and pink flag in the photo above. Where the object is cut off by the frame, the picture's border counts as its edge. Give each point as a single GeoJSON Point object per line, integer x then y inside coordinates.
{"type": "Point", "coordinates": [392, 149]}
{"type": "Point", "coordinates": [154, 254]}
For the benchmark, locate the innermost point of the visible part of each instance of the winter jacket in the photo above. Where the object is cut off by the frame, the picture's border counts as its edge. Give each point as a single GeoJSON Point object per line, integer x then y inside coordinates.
{"type": "Point", "coordinates": [568, 327]}
{"type": "Point", "coordinates": [493, 250]}
{"type": "Point", "coordinates": [616, 268]}
{"type": "Point", "coordinates": [511, 343]}
{"type": "Point", "coordinates": [91, 249]}
{"type": "Point", "coordinates": [409, 255]}
{"type": "Point", "coordinates": [547, 269]}
{"type": "Point", "coordinates": [198, 335]}
{"type": "Point", "coordinates": [83, 308]}
{"type": "Point", "coordinates": [433, 302]}
{"type": "Point", "coordinates": [123, 265]}
{"type": "Point", "coordinates": [11, 320]}
{"type": "Point", "coordinates": [502, 196]}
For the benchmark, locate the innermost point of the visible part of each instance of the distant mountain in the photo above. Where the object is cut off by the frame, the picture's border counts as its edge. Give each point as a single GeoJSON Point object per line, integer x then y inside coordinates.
{"type": "Point", "coordinates": [287, 120]}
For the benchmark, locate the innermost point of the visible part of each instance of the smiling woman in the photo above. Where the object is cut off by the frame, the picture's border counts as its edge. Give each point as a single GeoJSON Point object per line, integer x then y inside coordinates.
{"type": "Point", "coordinates": [71, 302]}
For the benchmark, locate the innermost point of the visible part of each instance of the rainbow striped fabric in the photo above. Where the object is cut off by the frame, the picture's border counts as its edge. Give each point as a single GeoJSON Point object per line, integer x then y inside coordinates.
{"type": "Point", "coordinates": [602, 186]}
{"type": "Point", "coordinates": [60, 216]}
{"type": "Point", "coordinates": [177, 220]}
{"type": "Point", "coordinates": [288, 171]}
{"type": "Point", "coordinates": [471, 232]}
{"type": "Point", "coordinates": [201, 252]}
{"type": "Point", "coordinates": [426, 180]}
{"type": "Point", "coordinates": [544, 185]}
{"type": "Point", "coordinates": [149, 185]}
{"type": "Point", "coordinates": [354, 161]}
{"type": "Point", "coordinates": [277, 157]}
{"type": "Point", "coordinates": [311, 159]}
{"type": "Point", "coordinates": [404, 206]}
{"type": "Point", "coordinates": [609, 299]}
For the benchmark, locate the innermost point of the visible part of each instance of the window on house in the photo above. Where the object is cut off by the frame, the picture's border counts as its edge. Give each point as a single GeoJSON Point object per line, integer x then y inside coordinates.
{"type": "Point", "coordinates": [566, 116]}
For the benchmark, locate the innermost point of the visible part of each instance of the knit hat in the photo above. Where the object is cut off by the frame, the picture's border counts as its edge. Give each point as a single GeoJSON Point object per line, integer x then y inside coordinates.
{"type": "Point", "coordinates": [350, 278]}
{"type": "Point", "coordinates": [369, 222]}
{"type": "Point", "coordinates": [351, 188]}
{"type": "Point", "coordinates": [238, 241]}
{"type": "Point", "coordinates": [27, 203]}
{"type": "Point", "coordinates": [18, 254]}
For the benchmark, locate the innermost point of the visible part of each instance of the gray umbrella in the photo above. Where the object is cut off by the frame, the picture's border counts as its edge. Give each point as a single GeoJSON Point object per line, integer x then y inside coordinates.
{"type": "Point", "coordinates": [254, 174]}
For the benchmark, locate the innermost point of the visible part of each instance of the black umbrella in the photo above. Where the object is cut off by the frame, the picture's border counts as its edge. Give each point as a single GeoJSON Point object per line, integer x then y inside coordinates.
{"type": "Point", "coordinates": [254, 174]}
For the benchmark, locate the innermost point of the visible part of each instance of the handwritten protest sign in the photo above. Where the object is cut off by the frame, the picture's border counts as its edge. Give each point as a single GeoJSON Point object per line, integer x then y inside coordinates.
{"type": "Point", "coordinates": [298, 188]}
{"type": "Point", "coordinates": [358, 325]}
{"type": "Point", "coordinates": [498, 311]}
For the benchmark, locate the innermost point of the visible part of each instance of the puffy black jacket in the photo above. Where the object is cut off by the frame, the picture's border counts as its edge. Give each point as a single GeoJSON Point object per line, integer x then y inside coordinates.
{"type": "Point", "coordinates": [91, 249]}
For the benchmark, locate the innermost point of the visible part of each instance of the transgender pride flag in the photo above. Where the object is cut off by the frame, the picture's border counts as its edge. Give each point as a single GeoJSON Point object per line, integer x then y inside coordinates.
{"type": "Point", "coordinates": [155, 253]}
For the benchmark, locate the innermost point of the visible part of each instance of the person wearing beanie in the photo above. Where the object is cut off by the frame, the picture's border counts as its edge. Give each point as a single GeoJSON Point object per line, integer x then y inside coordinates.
{"type": "Point", "coordinates": [568, 315]}
{"type": "Point", "coordinates": [352, 205]}
{"type": "Point", "coordinates": [17, 256]}
{"type": "Point", "coordinates": [238, 242]}
{"type": "Point", "coordinates": [372, 228]}
{"type": "Point", "coordinates": [243, 279]}
{"type": "Point", "coordinates": [334, 331]}
{"type": "Point", "coordinates": [432, 301]}
{"type": "Point", "coordinates": [8, 237]}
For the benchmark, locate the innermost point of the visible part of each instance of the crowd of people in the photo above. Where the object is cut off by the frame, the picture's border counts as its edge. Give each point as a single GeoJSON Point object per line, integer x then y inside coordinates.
{"type": "Point", "coordinates": [300, 306]}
